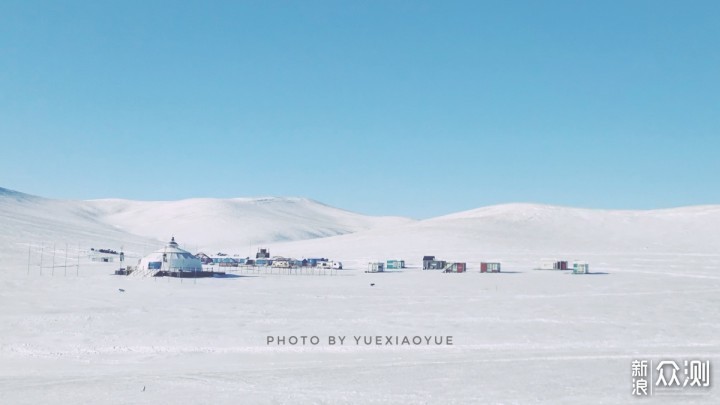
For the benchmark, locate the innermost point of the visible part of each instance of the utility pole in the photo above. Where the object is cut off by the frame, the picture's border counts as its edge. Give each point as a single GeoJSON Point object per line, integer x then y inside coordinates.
{"type": "Point", "coordinates": [52, 272]}
{"type": "Point", "coordinates": [66, 252]}
{"type": "Point", "coordinates": [42, 251]}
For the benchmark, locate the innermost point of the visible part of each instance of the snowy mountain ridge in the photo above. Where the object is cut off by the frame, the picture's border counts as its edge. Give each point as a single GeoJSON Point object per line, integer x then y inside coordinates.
{"type": "Point", "coordinates": [303, 226]}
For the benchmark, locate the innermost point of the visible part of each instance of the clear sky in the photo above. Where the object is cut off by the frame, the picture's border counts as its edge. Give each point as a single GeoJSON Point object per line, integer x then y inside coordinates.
{"type": "Point", "coordinates": [411, 108]}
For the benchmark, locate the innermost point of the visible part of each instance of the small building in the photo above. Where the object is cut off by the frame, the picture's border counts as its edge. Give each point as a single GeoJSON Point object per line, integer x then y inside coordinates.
{"type": "Point", "coordinates": [313, 262]}
{"type": "Point", "coordinates": [550, 264]}
{"type": "Point", "coordinates": [489, 267]}
{"type": "Point", "coordinates": [581, 268]}
{"type": "Point", "coordinates": [426, 262]}
{"type": "Point", "coordinates": [223, 261]}
{"type": "Point", "coordinates": [455, 267]}
{"type": "Point", "coordinates": [228, 262]}
{"type": "Point", "coordinates": [326, 264]}
{"type": "Point", "coordinates": [204, 258]}
{"type": "Point", "coordinates": [282, 263]}
{"type": "Point", "coordinates": [123, 271]}
{"type": "Point", "coordinates": [102, 255]}
{"type": "Point", "coordinates": [263, 262]}
{"type": "Point", "coordinates": [434, 264]}
{"type": "Point", "coordinates": [395, 264]}
{"type": "Point", "coordinates": [376, 267]}
{"type": "Point", "coordinates": [263, 254]}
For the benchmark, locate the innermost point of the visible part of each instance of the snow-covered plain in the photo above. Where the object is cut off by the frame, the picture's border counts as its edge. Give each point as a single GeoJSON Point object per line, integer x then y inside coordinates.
{"type": "Point", "coordinates": [521, 336]}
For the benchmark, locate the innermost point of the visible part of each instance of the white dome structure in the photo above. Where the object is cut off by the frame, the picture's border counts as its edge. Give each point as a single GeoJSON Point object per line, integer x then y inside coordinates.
{"type": "Point", "coordinates": [170, 258]}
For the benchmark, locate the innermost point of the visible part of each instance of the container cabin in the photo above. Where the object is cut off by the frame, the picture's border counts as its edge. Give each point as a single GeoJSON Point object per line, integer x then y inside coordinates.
{"type": "Point", "coordinates": [376, 267]}
{"type": "Point", "coordinates": [455, 267]}
{"type": "Point", "coordinates": [550, 264]}
{"type": "Point", "coordinates": [581, 268]}
{"type": "Point", "coordinates": [434, 265]}
{"type": "Point", "coordinates": [489, 267]}
{"type": "Point", "coordinates": [395, 264]}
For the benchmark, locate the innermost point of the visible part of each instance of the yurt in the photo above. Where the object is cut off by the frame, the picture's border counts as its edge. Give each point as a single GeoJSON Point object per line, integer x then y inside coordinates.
{"type": "Point", "coordinates": [171, 259]}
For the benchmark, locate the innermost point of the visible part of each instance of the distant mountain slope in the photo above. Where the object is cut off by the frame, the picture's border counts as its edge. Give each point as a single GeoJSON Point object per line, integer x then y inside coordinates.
{"type": "Point", "coordinates": [216, 224]}
{"type": "Point", "coordinates": [235, 223]}
{"type": "Point", "coordinates": [303, 228]}
{"type": "Point", "coordinates": [531, 228]}
{"type": "Point", "coordinates": [685, 229]}
{"type": "Point", "coordinates": [12, 194]}
{"type": "Point", "coordinates": [27, 219]}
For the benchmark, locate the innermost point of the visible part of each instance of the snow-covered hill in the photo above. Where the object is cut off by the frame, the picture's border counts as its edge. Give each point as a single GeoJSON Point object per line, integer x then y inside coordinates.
{"type": "Point", "coordinates": [43, 223]}
{"type": "Point", "coordinates": [302, 227]}
{"type": "Point", "coordinates": [500, 231]}
{"type": "Point", "coordinates": [233, 224]}
{"type": "Point", "coordinates": [224, 224]}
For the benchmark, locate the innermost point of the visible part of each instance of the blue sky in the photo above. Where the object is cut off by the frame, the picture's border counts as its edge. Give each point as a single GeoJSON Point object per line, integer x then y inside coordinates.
{"type": "Point", "coordinates": [383, 107]}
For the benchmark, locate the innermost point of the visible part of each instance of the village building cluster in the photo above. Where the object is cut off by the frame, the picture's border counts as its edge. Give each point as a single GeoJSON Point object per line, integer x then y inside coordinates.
{"type": "Point", "coordinates": [173, 261]}
{"type": "Point", "coordinates": [263, 258]}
